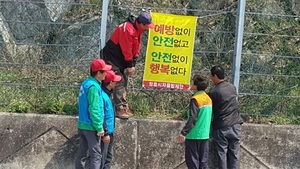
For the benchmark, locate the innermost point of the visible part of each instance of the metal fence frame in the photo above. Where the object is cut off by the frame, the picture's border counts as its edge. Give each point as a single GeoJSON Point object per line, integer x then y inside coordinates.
{"type": "Point", "coordinates": [237, 52]}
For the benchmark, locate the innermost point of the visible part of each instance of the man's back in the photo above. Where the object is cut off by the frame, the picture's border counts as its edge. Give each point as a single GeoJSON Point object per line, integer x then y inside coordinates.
{"type": "Point", "coordinates": [225, 105]}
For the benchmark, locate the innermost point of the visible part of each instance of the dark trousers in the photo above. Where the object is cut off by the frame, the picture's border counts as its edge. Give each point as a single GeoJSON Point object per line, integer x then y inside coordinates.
{"type": "Point", "coordinates": [227, 143]}
{"type": "Point", "coordinates": [196, 154]}
{"type": "Point", "coordinates": [107, 153]}
{"type": "Point", "coordinates": [120, 92]}
{"type": "Point", "coordinates": [89, 150]}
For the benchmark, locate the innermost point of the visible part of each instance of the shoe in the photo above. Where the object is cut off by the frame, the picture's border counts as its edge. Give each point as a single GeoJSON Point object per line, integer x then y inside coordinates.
{"type": "Point", "coordinates": [129, 112]}
{"type": "Point", "coordinates": [122, 114]}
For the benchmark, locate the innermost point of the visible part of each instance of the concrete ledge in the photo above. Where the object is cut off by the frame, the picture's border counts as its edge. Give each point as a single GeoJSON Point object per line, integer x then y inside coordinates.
{"type": "Point", "coordinates": [50, 141]}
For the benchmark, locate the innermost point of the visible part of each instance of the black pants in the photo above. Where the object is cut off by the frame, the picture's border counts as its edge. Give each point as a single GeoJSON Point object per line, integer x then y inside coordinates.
{"type": "Point", "coordinates": [107, 153]}
{"type": "Point", "coordinates": [88, 142]}
{"type": "Point", "coordinates": [196, 154]}
{"type": "Point", "coordinates": [120, 90]}
{"type": "Point", "coordinates": [227, 142]}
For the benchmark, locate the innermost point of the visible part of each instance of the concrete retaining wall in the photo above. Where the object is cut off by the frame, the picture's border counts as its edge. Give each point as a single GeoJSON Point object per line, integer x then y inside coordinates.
{"type": "Point", "coordinates": [50, 141]}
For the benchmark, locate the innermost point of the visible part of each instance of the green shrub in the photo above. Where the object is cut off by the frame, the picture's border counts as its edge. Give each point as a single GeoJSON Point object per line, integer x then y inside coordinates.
{"type": "Point", "coordinates": [19, 107]}
{"type": "Point", "coordinates": [70, 109]}
{"type": "Point", "coordinates": [51, 107]}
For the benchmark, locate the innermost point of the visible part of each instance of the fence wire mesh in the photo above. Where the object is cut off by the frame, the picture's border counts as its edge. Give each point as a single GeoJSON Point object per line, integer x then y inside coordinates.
{"type": "Point", "coordinates": [46, 48]}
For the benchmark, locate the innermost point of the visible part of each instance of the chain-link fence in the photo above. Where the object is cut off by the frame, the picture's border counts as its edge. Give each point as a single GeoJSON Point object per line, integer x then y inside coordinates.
{"type": "Point", "coordinates": [46, 47]}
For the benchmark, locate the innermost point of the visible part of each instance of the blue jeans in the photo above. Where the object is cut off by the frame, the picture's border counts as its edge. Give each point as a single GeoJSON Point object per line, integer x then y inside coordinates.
{"type": "Point", "coordinates": [227, 141]}
{"type": "Point", "coordinates": [88, 143]}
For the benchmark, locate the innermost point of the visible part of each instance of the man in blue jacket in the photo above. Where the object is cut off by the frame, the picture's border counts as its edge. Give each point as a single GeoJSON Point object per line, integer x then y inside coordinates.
{"type": "Point", "coordinates": [91, 117]}
{"type": "Point", "coordinates": [108, 84]}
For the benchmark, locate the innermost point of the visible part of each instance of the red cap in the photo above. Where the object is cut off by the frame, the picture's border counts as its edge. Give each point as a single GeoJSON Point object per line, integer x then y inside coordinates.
{"type": "Point", "coordinates": [150, 26]}
{"type": "Point", "coordinates": [99, 64]}
{"type": "Point", "coordinates": [112, 77]}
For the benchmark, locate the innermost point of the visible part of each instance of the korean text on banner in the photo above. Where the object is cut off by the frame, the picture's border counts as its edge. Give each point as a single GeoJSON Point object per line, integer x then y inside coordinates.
{"type": "Point", "coordinates": [170, 52]}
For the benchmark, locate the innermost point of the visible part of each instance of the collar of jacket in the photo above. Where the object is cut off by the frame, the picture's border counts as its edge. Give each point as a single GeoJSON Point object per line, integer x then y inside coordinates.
{"type": "Point", "coordinates": [139, 28]}
{"type": "Point", "coordinates": [198, 92]}
{"type": "Point", "coordinates": [108, 92]}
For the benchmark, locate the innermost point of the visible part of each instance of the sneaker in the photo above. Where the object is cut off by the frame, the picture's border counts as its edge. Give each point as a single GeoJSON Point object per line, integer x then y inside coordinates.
{"type": "Point", "coordinates": [129, 112]}
{"type": "Point", "coordinates": [122, 114]}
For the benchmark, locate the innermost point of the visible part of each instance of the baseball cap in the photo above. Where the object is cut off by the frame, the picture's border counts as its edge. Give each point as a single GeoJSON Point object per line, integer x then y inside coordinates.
{"type": "Point", "coordinates": [99, 64]}
{"type": "Point", "coordinates": [111, 77]}
{"type": "Point", "coordinates": [146, 19]}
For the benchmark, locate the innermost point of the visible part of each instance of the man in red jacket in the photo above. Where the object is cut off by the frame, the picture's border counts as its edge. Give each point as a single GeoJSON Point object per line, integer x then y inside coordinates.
{"type": "Point", "coordinates": [121, 51]}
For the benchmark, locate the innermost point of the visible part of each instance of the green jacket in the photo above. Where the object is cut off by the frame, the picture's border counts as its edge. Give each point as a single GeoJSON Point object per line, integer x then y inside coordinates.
{"type": "Point", "coordinates": [199, 117]}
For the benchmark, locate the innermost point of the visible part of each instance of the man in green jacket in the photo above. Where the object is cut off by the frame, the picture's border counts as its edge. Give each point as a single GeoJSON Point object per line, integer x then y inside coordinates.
{"type": "Point", "coordinates": [91, 117]}
{"type": "Point", "coordinates": [196, 131]}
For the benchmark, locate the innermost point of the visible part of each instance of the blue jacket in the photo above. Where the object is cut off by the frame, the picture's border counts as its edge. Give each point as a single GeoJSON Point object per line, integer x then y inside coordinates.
{"type": "Point", "coordinates": [91, 106]}
{"type": "Point", "coordinates": [109, 111]}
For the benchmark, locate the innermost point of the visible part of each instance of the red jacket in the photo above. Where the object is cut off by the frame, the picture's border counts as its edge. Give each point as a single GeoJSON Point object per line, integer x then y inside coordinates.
{"type": "Point", "coordinates": [124, 45]}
